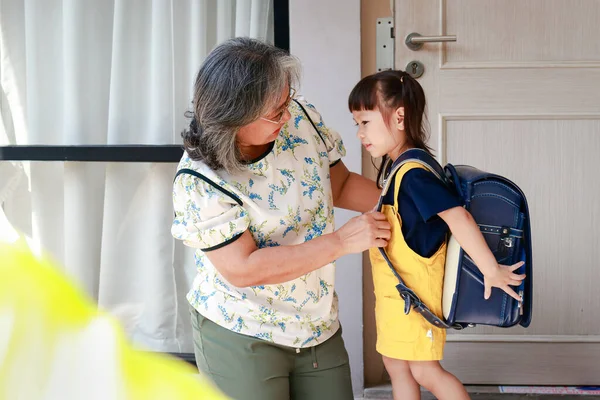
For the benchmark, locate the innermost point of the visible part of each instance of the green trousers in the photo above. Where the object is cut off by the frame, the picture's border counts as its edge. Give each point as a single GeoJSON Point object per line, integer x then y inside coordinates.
{"type": "Point", "coordinates": [246, 368]}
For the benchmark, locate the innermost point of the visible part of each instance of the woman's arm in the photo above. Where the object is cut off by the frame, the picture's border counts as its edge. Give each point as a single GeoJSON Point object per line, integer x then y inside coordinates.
{"type": "Point", "coordinates": [352, 191]}
{"type": "Point", "coordinates": [243, 264]}
{"type": "Point", "coordinates": [467, 233]}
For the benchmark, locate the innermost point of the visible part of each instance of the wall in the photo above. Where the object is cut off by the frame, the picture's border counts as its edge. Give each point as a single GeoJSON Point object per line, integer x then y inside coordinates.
{"type": "Point", "coordinates": [325, 35]}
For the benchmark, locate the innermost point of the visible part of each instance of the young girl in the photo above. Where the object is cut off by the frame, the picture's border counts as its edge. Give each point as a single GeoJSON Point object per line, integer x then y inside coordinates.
{"type": "Point", "coordinates": [388, 108]}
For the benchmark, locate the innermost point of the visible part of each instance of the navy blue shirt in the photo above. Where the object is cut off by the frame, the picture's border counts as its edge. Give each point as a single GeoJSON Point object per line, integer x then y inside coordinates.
{"type": "Point", "coordinates": [421, 197]}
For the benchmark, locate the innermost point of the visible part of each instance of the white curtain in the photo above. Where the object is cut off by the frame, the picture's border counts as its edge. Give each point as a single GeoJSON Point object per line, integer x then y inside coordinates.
{"type": "Point", "coordinates": [78, 72]}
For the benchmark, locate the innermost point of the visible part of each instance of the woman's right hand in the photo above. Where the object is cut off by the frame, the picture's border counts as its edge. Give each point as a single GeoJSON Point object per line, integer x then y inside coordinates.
{"type": "Point", "coordinates": [363, 232]}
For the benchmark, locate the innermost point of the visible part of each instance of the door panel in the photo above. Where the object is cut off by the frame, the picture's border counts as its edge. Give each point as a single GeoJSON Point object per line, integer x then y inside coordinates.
{"type": "Point", "coordinates": [519, 94]}
{"type": "Point", "coordinates": [512, 32]}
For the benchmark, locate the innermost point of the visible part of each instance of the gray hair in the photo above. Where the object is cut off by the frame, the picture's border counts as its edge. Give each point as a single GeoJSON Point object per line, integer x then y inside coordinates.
{"type": "Point", "coordinates": [240, 80]}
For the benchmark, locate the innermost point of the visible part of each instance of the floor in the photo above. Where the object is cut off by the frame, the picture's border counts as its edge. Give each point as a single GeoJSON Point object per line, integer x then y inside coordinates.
{"type": "Point", "coordinates": [384, 392]}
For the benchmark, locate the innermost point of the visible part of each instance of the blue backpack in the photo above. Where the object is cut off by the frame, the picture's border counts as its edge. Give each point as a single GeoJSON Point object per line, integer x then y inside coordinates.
{"type": "Point", "coordinates": [500, 209]}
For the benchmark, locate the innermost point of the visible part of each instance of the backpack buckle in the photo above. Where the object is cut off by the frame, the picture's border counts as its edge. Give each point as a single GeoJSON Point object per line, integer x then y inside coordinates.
{"type": "Point", "coordinates": [409, 297]}
{"type": "Point", "coordinates": [407, 303]}
{"type": "Point", "coordinates": [505, 237]}
{"type": "Point", "coordinates": [506, 241]}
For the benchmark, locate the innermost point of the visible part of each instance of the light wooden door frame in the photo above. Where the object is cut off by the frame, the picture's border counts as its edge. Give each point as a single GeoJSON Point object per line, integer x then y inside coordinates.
{"type": "Point", "coordinates": [375, 372]}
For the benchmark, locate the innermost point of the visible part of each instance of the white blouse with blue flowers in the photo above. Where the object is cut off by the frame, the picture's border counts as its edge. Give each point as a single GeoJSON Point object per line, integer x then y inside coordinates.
{"type": "Point", "coordinates": [282, 199]}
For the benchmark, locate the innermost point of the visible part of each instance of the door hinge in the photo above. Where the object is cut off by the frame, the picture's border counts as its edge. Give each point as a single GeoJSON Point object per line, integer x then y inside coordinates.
{"type": "Point", "coordinates": [385, 44]}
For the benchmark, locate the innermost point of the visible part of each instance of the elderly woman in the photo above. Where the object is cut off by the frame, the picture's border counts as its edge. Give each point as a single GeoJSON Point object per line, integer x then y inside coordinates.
{"type": "Point", "coordinates": [254, 194]}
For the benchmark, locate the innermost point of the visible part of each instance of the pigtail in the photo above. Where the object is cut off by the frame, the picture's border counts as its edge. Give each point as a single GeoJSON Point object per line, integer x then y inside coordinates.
{"type": "Point", "coordinates": [415, 119]}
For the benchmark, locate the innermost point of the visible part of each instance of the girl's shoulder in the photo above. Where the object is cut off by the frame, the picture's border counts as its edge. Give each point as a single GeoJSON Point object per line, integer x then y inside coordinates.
{"type": "Point", "coordinates": [428, 193]}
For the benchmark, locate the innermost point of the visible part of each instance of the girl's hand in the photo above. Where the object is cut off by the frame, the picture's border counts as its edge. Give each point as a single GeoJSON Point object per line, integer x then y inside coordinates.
{"type": "Point", "coordinates": [503, 277]}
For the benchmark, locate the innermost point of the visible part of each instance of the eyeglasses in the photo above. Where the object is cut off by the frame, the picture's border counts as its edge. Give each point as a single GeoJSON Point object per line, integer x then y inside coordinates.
{"type": "Point", "coordinates": [279, 116]}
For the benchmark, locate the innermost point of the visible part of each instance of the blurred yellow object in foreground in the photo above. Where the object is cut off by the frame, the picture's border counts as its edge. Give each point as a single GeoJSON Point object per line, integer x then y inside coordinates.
{"type": "Point", "coordinates": [55, 344]}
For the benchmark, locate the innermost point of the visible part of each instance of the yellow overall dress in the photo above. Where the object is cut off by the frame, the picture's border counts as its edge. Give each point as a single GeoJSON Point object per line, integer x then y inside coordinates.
{"type": "Point", "coordinates": [400, 336]}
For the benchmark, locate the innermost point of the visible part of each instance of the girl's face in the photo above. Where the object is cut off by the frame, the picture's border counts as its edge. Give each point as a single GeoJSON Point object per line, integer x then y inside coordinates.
{"type": "Point", "coordinates": [375, 135]}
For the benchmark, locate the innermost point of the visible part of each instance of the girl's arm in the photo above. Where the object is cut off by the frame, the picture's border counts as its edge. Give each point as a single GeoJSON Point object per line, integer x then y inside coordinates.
{"type": "Point", "coordinates": [467, 233]}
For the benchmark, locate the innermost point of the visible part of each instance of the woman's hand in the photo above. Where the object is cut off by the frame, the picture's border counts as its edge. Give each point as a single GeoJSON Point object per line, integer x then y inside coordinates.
{"type": "Point", "coordinates": [363, 232]}
{"type": "Point", "coordinates": [244, 265]}
{"type": "Point", "coordinates": [503, 277]}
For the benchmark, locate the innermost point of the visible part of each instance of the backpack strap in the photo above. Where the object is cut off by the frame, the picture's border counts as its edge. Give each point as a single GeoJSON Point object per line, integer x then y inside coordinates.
{"type": "Point", "coordinates": [411, 300]}
{"type": "Point", "coordinates": [425, 159]}
{"type": "Point", "coordinates": [412, 155]}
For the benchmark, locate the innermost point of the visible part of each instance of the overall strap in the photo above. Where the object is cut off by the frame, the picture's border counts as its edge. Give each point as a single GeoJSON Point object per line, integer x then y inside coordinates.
{"type": "Point", "coordinates": [411, 300]}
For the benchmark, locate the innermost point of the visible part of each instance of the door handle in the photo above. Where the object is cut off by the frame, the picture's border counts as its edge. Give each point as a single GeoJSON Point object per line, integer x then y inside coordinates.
{"type": "Point", "coordinates": [415, 41]}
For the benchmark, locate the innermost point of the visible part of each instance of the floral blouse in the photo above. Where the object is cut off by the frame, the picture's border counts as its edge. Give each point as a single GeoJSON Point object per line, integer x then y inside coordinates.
{"type": "Point", "coordinates": [284, 198]}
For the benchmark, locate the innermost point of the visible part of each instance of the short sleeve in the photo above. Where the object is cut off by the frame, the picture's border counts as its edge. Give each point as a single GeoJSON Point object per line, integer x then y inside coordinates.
{"type": "Point", "coordinates": [205, 217]}
{"type": "Point", "coordinates": [429, 194]}
{"type": "Point", "coordinates": [333, 140]}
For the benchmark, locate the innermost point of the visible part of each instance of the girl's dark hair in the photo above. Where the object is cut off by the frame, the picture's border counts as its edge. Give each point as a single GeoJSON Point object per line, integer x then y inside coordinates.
{"type": "Point", "coordinates": [385, 91]}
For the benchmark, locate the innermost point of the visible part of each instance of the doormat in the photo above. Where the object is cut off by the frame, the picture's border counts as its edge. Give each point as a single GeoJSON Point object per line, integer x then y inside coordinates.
{"type": "Point", "coordinates": [558, 390]}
